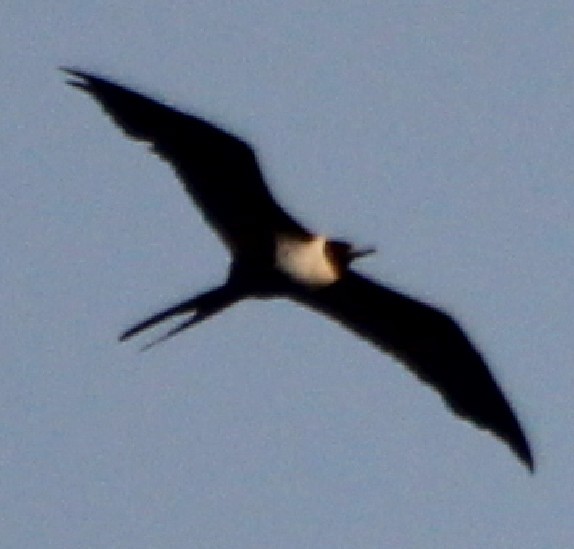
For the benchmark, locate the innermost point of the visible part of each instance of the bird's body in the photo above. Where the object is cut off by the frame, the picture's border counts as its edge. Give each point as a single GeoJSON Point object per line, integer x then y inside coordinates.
{"type": "Point", "coordinates": [273, 255]}
{"type": "Point", "coordinates": [306, 261]}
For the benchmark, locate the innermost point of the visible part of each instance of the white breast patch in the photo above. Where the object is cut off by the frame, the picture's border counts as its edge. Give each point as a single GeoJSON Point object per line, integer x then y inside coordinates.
{"type": "Point", "coordinates": [305, 261]}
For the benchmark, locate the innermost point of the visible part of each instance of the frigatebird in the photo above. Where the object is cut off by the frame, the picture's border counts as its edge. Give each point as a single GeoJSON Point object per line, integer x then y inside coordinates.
{"type": "Point", "coordinates": [275, 256]}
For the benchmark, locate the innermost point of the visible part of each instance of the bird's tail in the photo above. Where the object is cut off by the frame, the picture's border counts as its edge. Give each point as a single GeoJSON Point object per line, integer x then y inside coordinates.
{"type": "Point", "coordinates": [200, 307]}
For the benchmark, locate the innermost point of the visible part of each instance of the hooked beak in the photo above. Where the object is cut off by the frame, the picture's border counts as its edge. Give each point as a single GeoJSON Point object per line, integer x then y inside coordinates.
{"type": "Point", "coordinates": [360, 252]}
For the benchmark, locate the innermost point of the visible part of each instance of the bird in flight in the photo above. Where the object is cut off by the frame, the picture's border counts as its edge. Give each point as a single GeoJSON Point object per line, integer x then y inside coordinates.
{"type": "Point", "coordinates": [275, 256]}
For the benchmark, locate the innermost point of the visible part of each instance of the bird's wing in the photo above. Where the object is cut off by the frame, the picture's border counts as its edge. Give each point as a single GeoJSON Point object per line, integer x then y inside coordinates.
{"type": "Point", "coordinates": [218, 170]}
{"type": "Point", "coordinates": [431, 345]}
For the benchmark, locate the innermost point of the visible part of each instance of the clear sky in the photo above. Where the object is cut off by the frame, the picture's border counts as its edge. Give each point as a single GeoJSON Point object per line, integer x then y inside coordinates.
{"type": "Point", "coordinates": [440, 132]}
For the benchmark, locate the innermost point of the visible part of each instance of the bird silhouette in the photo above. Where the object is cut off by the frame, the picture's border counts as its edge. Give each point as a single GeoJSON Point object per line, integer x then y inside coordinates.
{"type": "Point", "coordinates": [274, 256]}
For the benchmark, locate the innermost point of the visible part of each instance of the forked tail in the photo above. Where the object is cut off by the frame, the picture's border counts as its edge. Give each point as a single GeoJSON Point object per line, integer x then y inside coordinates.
{"type": "Point", "coordinates": [200, 307]}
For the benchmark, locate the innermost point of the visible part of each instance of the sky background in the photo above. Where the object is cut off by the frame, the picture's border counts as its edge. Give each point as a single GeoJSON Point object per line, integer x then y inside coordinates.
{"type": "Point", "coordinates": [440, 132]}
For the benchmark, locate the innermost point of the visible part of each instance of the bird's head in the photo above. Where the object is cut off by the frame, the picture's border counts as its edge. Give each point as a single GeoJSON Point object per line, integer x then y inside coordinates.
{"type": "Point", "coordinates": [343, 253]}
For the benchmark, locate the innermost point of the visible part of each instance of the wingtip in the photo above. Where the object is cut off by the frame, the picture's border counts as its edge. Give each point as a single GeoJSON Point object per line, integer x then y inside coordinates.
{"type": "Point", "coordinates": [522, 450]}
{"type": "Point", "coordinates": [528, 461]}
{"type": "Point", "coordinates": [72, 72]}
{"type": "Point", "coordinates": [78, 79]}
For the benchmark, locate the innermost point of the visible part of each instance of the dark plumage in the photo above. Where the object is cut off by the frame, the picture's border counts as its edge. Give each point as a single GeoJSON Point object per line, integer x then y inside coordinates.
{"type": "Point", "coordinates": [273, 255]}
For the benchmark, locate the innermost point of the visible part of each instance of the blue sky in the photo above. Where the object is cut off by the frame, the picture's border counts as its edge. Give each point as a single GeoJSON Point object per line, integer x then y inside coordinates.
{"type": "Point", "coordinates": [440, 132]}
